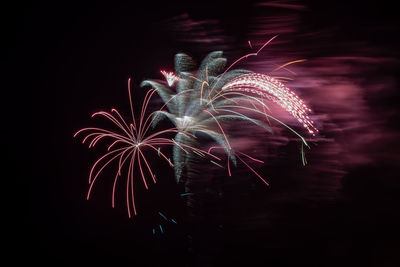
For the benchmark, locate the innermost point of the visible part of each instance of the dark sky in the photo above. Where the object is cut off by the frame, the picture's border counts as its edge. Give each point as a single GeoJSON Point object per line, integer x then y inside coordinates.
{"type": "Point", "coordinates": [65, 60]}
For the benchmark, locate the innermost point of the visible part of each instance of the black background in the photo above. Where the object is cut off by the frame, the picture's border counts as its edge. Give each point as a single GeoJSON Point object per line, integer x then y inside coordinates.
{"type": "Point", "coordinates": [62, 58]}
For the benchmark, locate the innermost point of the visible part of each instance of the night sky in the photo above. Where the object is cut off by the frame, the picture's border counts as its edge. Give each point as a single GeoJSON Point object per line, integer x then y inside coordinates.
{"type": "Point", "coordinates": [65, 60]}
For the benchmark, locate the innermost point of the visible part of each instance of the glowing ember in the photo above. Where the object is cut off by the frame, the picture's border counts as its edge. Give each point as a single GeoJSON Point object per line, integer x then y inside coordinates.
{"type": "Point", "coordinates": [170, 77]}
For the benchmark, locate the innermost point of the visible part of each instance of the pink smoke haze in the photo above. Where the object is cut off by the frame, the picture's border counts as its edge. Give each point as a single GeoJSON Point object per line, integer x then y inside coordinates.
{"type": "Point", "coordinates": [342, 82]}
{"type": "Point", "coordinates": [340, 79]}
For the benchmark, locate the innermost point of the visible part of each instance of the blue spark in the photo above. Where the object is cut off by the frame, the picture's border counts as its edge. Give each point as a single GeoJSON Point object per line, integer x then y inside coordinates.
{"type": "Point", "coordinates": [162, 215]}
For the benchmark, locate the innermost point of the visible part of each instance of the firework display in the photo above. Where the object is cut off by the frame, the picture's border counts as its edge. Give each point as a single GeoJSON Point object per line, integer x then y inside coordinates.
{"type": "Point", "coordinates": [200, 102]}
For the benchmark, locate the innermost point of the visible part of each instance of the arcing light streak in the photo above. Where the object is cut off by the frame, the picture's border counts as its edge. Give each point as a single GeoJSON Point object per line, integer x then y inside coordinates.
{"type": "Point", "coordinates": [240, 59]}
{"type": "Point", "coordinates": [270, 88]}
{"type": "Point", "coordinates": [238, 154]}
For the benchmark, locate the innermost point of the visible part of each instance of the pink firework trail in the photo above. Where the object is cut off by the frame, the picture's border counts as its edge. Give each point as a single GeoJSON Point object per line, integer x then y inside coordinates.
{"type": "Point", "coordinates": [127, 145]}
{"type": "Point", "coordinates": [270, 88]}
{"type": "Point", "coordinates": [238, 154]}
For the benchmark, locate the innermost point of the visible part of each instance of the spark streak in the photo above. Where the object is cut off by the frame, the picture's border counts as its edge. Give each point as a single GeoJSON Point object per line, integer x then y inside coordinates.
{"type": "Point", "coordinates": [270, 88]}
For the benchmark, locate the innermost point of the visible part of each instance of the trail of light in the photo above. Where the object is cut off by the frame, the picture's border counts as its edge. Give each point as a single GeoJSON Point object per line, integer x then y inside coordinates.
{"type": "Point", "coordinates": [172, 220]}
{"type": "Point", "coordinates": [148, 166]}
{"type": "Point", "coordinates": [97, 133]}
{"type": "Point", "coordinates": [254, 159]}
{"type": "Point", "coordinates": [147, 98]}
{"type": "Point", "coordinates": [252, 98]}
{"type": "Point", "coordinates": [101, 136]}
{"type": "Point", "coordinates": [147, 124]}
{"type": "Point", "coordinates": [201, 151]}
{"type": "Point", "coordinates": [100, 159]}
{"type": "Point", "coordinates": [220, 127]}
{"type": "Point", "coordinates": [303, 157]}
{"type": "Point", "coordinates": [240, 114]}
{"type": "Point", "coordinates": [161, 229]}
{"type": "Point", "coordinates": [114, 143]}
{"type": "Point", "coordinates": [269, 116]}
{"type": "Point", "coordinates": [213, 147]}
{"type": "Point", "coordinates": [113, 119]}
{"type": "Point", "coordinates": [127, 186]}
{"type": "Point", "coordinates": [198, 154]}
{"type": "Point", "coordinates": [195, 78]}
{"type": "Point", "coordinates": [131, 174]}
{"type": "Point", "coordinates": [120, 165]}
{"type": "Point", "coordinates": [186, 194]}
{"type": "Point", "coordinates": [162, 215]}
{"type": "Point", "coordinates": [95, 178]}
{"type": "Point", "coordinates": [248, 166]}
{"type": "Point", "coordinates": [141, 171]}
{"type": "Point", "coordinates": [270, 88]}
{"type": "Point", "coordinates": [280, 78]}
{"type": "Point", "coordinates": [162, 154]}
{"type": "Point", "coordinates": [250, 44]}
{"type": "Point", "coordinates": [213, 162]}
{"type": "Point", "coordinates": [240, 59]}
{"type": "Point", "coordinates": [175, 96]}
{"type": "Point", "coordinates": [172, 130]}
{"type": "Point", "coordinates": [130, 102]}
{"type": "Point", "coordinates": [122, 119]}
{"type": "Point", "coordinates": [229, 167]}
{"type": "Point", "coordinates": [179, 146]}
{"type": "Point", "coordinates": [165, 141]}
{"type": "Point", "coordinates": [288, 63]}
{"type": "Point", "coordinates": [201, 90]}
{"type": "Point", "coordinates": [236, 154]}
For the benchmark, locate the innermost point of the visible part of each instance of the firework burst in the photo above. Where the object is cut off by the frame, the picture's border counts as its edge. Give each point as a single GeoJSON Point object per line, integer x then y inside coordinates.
{"type": "Point", "coordinates": [127, 147]}
{"type": "Point", "coordinates": [199, 101]}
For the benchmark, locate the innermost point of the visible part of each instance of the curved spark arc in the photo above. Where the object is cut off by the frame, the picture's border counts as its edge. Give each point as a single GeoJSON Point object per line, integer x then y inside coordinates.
{"type": "Point", "coordinates": [141, 170]}
{"type": "Point", "coordinates": [220, 127]}
{"type": "Point", "coordinates": [240, 59]}
{"type": "Point", "coordinates": [237, 154]}
{"type": "Point", "coordinates": [120, 165]}
{"type": "Point", "coordinates": [271, 117]}
{"type": "Point", "coordinates": [287, 64]}
{"type": "Point", "coordinates": [101, 169]}
{"type": "Point", "coordinates": [130, 103]}
{"type": "Point", "coordinates": [268, 87]}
